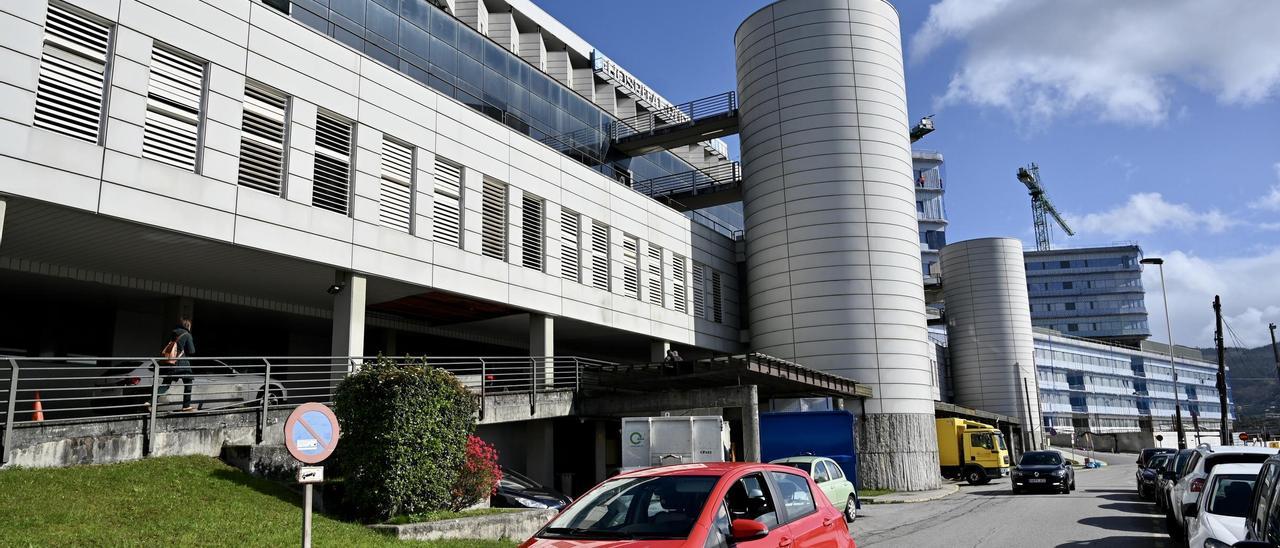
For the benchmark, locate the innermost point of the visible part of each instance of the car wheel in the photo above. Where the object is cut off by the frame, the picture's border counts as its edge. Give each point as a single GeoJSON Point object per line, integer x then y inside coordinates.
{"type": "Point", "coordinates": [850, 509]}
{"type": "Point", "coordinates": [1017, 491]}
{"type": "Point", "coordinates": [1073, 484]}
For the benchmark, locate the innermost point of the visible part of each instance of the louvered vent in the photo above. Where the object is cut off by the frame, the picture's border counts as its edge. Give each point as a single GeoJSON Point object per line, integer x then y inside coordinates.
{"type": "Point", "coordinates": [73, 70]}
{"type": "Point", "coordinates": [699, 290]}
{"type": "Point", "coordinates": [679, 286]}
{"type": "Point", "coordinates": [570, 246]}
{"type": "Point", "coordinates": [600, 255]}
{"type": "Point", "coordinates": [532, 232]}
{"type": "Point", "coordinates": [656, 295]}
{"type": "Point", "coordinates": [395, 200]}
{"type": "Point", "coordinates": [447, 208]}
{"type": "Point", "coordinates": [493, 218]}
{"type": "Point", "coordinates": [717, 299]}
{"type": "Point", "coordinates": [262, 139]}
{"type": "Point", "coordinates": [331, 181]}
{"type": "Point", "coordinates": [630, 267]}
{"type": "Point", "coordinates": [175, 95]}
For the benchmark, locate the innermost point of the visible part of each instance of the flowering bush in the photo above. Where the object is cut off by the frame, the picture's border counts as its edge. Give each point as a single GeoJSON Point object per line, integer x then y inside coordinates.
{"type": "Point", "coordinates": [479, 476]}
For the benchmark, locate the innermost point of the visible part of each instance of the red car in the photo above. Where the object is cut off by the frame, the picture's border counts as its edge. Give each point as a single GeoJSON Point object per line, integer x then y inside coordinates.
{"type": "Point", "coordinates": [743, 504]}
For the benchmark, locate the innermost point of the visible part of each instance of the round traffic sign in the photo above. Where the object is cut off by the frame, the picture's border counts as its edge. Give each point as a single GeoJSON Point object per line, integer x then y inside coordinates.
{"type": "Point", "coordinates": [1244, 436]}
{"type": "Point", "coordinates": [311, 433]}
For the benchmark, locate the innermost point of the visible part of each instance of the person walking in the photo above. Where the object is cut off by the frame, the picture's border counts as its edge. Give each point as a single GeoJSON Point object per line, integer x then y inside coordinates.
{"type": "Point", "coordinates": [183, 345]}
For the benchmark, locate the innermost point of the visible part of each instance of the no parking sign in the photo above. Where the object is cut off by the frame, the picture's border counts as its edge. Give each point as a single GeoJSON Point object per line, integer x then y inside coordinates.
{"type": "Point", "coordinates": [311, 433]}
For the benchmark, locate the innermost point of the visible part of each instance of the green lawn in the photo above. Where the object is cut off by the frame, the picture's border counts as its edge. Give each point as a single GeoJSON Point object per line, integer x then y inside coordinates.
{"type": "Point", "coordinates": [863, 493]}
{"type": "Point", "coordinates": [174, 501]}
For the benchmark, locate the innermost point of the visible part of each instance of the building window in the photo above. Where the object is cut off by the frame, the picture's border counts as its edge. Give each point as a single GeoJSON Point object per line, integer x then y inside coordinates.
{"type": "Point", "coordinates": [331, 180]}
{"type": "Point", "coordinates": [570, 245]}
{"type": "Point", "coordinates": [600, 255]}
{"type": "Point", "coordinates": [493, 216]}
{"type": "Point", "coordinates": [281, 6]}
{"type": "Point", "coordinates": [679, 284]}
{"type": "Point", "coordinates": [717, 300]}
{"type": "Point", "coordinates": [175, 97]}
{"type": "Point", "coordinates": [395, 197]}
{"type": "Point", "coordinates": [656, 294]}
{"type": "Point", "coordinates": [531, 234]}
{"type": "Point", "coordinates": [699, 290]}
{"type": "Point", "coordinates": [447, 205]}
{"type": "Point", "coordinates": [631, 266]}
{"type": "Point", "coordinates": [73, 72]}
{"type": "Point", "coordinates": [262, 140]}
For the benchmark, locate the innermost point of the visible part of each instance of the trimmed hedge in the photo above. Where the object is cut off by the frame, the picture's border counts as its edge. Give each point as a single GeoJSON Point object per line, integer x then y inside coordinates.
{"type": "Point", "coordinates": [404, 437]}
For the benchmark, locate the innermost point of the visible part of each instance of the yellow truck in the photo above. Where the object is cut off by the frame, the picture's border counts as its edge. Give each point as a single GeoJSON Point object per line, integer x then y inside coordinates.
{"type": "Point", "coordinates": [971, 450]}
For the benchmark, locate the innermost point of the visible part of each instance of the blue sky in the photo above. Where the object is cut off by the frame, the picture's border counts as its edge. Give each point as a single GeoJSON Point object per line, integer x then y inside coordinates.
{"type": "Point", "coordinates": [1155, 121]}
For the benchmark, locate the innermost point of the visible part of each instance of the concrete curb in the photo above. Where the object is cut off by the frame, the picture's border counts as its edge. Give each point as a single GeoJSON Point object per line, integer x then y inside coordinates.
{"type": "Point", "coordinates": [947, 489]}
{"type": "Point", "coordinates": [517, 525]}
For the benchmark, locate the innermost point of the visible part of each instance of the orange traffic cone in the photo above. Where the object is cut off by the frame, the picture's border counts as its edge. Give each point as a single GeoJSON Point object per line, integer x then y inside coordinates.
{"type": "Point", "coordinates": [37, 409]}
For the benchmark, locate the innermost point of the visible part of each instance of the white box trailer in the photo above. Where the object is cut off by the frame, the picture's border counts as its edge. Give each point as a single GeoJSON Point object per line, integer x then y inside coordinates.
{"type": "Point", "coordinates": [657, 441]}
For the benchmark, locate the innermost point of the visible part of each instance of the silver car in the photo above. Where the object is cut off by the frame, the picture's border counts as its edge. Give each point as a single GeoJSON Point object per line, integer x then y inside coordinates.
{"type": "Point", "coordinates": [215, 385]}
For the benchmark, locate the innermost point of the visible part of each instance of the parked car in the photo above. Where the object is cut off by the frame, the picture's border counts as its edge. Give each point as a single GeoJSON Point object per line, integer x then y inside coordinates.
{"type": "Point", "coordinates": [830, 479]}
{"type": "Point", "coordinates": [1170, 476]}
{"type": "Point", "coordinates": [1144, 457]}
{"type": "Point", "coordinates": [1262, 517]}
{"type": "Point", "coordinates": [1043, 470]}
{"type": "Point", "coordinates": [1149, 475]}
{"type": "Point", "coordinates": [216, 385]}
{"type": "Point", "coordinates": [517, 491]}
{"type": "Point", "coordinates": [1218, 519]}
{"type": "Point", "coordinates": [1186, 492]}
{"type": "Point", "coordinates": [748, 505]}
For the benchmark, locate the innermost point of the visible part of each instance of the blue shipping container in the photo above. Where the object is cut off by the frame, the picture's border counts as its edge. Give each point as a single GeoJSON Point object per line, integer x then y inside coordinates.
{"type": "Point", "coordinates": [819, 433]}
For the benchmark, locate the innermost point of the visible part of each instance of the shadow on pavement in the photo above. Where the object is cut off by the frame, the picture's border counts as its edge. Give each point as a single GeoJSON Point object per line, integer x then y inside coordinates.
{"type": "Point", "coordinates": [1132, 508]}
{"type": "Point", "coordinates": [1109, 491]}
{"type": "Point", "coordinates": [1118, 542]}
{"type": "Point", "coordinates": [1135, 524]}
{"type": "Point", "coordinates": [1129, 497]}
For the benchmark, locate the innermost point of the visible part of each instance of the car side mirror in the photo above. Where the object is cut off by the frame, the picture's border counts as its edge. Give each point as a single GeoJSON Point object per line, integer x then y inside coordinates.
{"type": "Point", "coordinates": [1190, 510]}
{"type": "Point", "coordinates": [747, 529]}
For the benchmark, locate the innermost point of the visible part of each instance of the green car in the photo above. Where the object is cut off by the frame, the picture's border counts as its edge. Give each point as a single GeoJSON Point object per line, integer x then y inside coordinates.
{"type": "Point", "coordinates": [831, 479]}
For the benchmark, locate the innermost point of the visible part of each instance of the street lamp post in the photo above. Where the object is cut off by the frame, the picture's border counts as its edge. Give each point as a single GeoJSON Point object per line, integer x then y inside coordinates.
{"type": "Point", "coordinates": [1173, 367]}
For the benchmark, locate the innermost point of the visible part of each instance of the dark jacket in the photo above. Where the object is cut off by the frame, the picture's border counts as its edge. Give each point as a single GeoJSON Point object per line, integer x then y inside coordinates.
{"type": "Point", "coordinates": [186, 345]}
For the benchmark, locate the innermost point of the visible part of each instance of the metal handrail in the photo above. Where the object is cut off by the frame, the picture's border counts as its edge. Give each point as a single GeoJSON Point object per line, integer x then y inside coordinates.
{"type": "Point", "coordinates": [695, 181]}
{"type": "Point", "coordinates": [130, 388]}
{"type": "Point", "coordinates": [685, 113]}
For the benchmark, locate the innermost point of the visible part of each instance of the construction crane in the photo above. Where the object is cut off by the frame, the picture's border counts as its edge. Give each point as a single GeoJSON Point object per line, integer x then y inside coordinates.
{"type": "Point", "coordinates": [1040, 206]}
{"type": "Point", "coordinates": [923, 128]}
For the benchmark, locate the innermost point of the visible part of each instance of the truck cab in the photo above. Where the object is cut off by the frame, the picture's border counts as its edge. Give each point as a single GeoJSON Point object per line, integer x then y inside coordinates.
{"type": "Point", "coordinates": [971, 450]}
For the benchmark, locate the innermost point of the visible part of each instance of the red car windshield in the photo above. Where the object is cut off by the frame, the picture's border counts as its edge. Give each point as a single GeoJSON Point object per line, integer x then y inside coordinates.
{"type": "Point", "coordinates": [656, 507]}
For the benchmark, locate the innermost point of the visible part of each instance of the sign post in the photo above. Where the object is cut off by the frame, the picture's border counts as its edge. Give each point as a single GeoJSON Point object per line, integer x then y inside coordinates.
{"type": "Point", "coordinates": [310, 434]}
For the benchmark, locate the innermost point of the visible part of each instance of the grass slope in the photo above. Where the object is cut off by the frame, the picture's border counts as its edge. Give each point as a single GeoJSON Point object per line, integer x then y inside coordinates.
{"type": "Point", "coordinates": [174, 501]}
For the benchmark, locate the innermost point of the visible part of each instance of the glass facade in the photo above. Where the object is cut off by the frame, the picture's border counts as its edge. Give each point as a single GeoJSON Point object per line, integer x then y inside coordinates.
{"type": "Point", "coordinates": [435, 48]}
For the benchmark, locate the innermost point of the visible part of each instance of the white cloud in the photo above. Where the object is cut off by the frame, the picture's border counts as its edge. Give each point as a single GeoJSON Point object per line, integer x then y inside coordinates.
{"type": "Point", "coordinates": [1148, 212]}
{"type": "Point", "coordinates": [1250, 297]}
{"type": "Point", "coordinates": [1272, 200]}
{"type": "Point", "coordinates": [1041, 59]}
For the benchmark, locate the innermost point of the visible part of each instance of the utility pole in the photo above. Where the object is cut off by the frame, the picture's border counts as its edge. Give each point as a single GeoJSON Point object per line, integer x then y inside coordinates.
{"type": "Point", "coordinates": [1223, 428]}
{"type": "Point", "coordinates": [1274, 351]}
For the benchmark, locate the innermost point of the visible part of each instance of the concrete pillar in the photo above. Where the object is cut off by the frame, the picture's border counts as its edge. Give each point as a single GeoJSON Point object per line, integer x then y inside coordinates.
{"type": "Point", "coordinates": [539, 457]}
{"type": "Point", "coordinates": [601, 452]}
{"type": "Point", "coordinates": [751, 425]}
{"type": "Point", "coordinates": [658, 350]}
{"type": "Point", "coordinates": [348, 316]}
{"type": "Point", "coordinates": [542, 342]}
{"type": "Point", "coordinates": [833, 262]}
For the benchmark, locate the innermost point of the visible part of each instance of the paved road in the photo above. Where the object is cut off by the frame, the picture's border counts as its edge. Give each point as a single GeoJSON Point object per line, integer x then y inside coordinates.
{"type": "Point", "coordinates": [1103, 511]}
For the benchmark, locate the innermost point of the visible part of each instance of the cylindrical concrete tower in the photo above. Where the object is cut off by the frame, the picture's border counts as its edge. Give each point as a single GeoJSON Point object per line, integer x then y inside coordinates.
{"type": "Point", "coordinates": [989, 333]}
{"type": "Point", "coordinates": [833, 255]}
